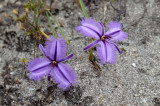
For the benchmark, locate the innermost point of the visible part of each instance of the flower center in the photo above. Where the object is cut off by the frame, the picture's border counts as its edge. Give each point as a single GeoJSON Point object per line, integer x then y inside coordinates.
{"type": "Point", "coordinates": [54, 62]}
{"type": "Point", "coordinates": [102, 38]}
{"type": "Point", "coordinates": [105, 37]}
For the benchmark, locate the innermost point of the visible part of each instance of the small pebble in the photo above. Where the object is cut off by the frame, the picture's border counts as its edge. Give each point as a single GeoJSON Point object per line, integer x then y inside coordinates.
{"type": "Point", "coordinates": [11, 73]}
{"type": "Point", "coordinates": [134, 64]}
{"type": "Point", "coordinates": [31, 89]}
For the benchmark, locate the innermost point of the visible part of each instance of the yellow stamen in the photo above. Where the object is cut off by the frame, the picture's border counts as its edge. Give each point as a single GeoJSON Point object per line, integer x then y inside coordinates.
{"type": "Point", "coordinates": [102, 38]}
{"type": "Point", "coordinates": [54, 62]}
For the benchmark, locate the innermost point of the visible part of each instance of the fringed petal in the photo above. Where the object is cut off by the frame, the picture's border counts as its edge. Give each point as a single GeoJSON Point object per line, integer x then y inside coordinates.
{"type": "Point", "coordinates": [92, 24]}
{"type": "Point", "coordinates": [119, 36]}
{"type": "Point", "coordinates": [61, 49]}
{"type": "Point", "coordinates": [44, 52]}
{"type": "Point", "coordinates": [67, 72]}
{"type": "Point", "coordinates": [102, 28]}
{"type": "Point", "coordinates": [106, 52]}
{"type": "Point", "coordinates": [115, 33]}
{"type": "Point", "coordinates": [37, 63]}
{"type": "Point", "coordinates": [87, 32]}
{"type": "Point", "coordinates": [111, 53]}
{"type": "Point", "coordinates": [51, 47]}
{"type": "Point", "coordinates": [117, 48]}
{"type": "Point", "coordinates": [40, 73]}
{"type": "Point", "coordinates": [60, 79]}
{"type": "Point", "coordinates": [113, 27]}
{"type": "Point", "coordinates": [101, 52]}
{"type": "Point", "coordinates": [66, 58]}
{"type": "Point", "coordinates": [90, 28]}
{"type": "Point", "coordinates": [91, 45]}
{"type": "Point", "coordinates": [56, 48]}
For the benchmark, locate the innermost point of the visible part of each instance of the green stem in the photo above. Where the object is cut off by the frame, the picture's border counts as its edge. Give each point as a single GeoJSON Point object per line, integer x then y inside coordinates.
{"type": "Point", "coordinates": [91, 57]}
{"type": "Point", "coordinates": [49, 21]}
{"type": "Point", "coordinates": [47, 11]}
{"type": "Point", "coordinates": [83, 8]}
{"type": "Point", "coordinates": [58, 26]}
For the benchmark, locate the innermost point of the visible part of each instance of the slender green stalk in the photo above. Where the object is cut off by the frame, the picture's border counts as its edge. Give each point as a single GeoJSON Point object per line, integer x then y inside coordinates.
{"type": "Point", "coordinates": [49, 21]}
{"type": "Point", "coordinates": [58, 26]}
{"type": "Point", "coordinates": [83, 8]}
{"type": "Point", "coordinates": [35, 11]}
{"type": "Point", "coordinates": [47, 11]}
{"type": "Point", "coordinates": [91, 52]}
{"type": "Point", "coordinates": [38, 21]}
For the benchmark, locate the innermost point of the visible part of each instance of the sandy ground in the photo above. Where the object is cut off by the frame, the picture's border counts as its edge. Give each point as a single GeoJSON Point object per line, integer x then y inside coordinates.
{"type": "Point", "coordinates": [133, 80]}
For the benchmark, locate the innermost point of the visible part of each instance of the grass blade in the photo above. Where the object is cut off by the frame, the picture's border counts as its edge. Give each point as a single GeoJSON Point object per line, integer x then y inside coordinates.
{"type": "Point", "coordinates": [83, 8]}
{"type": "Point", "coordinates": [58, 26]}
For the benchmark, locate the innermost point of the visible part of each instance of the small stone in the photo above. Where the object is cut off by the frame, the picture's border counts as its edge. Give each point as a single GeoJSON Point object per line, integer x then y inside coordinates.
{"type": "Point", "coordinates": [11, 73]}
{"type": "Point", "coordinates": [31, 89]}
{"type": "Point", "coordinates": [134, 64]}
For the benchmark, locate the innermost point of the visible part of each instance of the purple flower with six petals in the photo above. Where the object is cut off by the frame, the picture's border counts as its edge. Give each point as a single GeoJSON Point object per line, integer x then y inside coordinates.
{"type": "Point", "coordinates": [52, 66]}
{"type": "Point", "coordinates": [106, 51]}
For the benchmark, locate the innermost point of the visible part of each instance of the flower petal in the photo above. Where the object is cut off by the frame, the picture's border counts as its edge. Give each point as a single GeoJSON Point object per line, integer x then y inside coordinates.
{"type": "Point", "coordinates": [117, 48]}
{"type": "Point", "coordinates": [90, 28]}
{"type": "Point", "coordinates": [67, 72]}
{"type": "Point", "coordinates": [44, 52]}
{"type": "Point", "coordinates": [40, 73]}
{"type": "Point", "coordinates": [91, 44]}
{"type": "Point", "coordinates": [115, 32]}
{"type": "Point", "coordinates": [111, 53]}
{"type": "Point", "coordinates": [60, 79]}
{"type": "Point", "coordinates": [61, 49]}
{"type": "Point", "coordinates": [66, 58]}
{"type": "Point", "coordinates": [102, 28]}
{"type": "Point", "coordinates": [113, 27]}
{"type": "Point", "coordinates": [87, 32]}
{"type": "Point", "coordinates": [106, 52]}
{"type": "Point", "coordinates": [56, 48]}
{"type": "Point", "coordinates": [37, 63]}
{"type": "Point", "coordinates": [119, 36]}
{"type": "Point", "coordinates": [51, 47]}
{"type": "Point", "coordinates": [92, 24]}
{"type": "Point", "coordinates": [64, 76]}
{"type": "Point", "coordinates": [101, 52]}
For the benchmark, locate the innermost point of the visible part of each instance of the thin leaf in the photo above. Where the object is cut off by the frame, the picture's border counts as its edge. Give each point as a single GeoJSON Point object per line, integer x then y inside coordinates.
{"type": "Point", "coordinates": [47, 11]}
{"type": "Point", "coordinates": [58, 26]}
{"type": "Point", "coordinates": [83, 8]}
{"type": "Point", "coordinates": [49, 21]}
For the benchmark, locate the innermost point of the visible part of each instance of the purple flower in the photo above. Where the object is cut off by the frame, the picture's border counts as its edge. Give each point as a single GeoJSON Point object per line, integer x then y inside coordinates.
{"type": "Point", "coordinates": [106, 40]}
{"type": "Point", "coordinates": [52, 65]}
